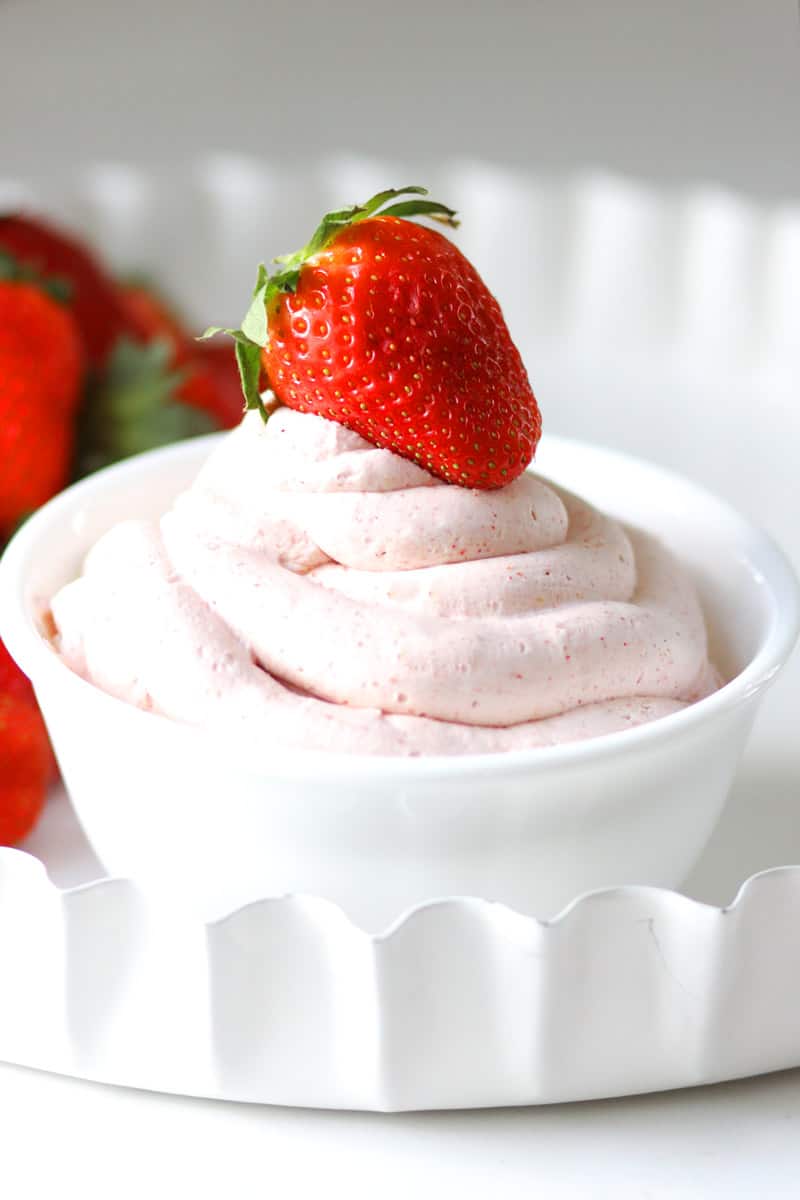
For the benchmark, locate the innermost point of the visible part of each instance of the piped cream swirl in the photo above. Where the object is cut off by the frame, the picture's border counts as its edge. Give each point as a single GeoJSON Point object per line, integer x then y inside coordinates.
{"type": "Point", "coordinates": [341, 597]}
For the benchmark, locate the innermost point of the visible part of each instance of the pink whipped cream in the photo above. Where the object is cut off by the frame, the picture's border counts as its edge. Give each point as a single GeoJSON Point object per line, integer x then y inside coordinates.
{"type": "Point", "coordinates": [337, 597]}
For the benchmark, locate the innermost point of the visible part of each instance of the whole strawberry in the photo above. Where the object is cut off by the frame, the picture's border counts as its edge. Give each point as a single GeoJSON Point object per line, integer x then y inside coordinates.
{"type": "Point", "coordinates": [26, 759]}
{"type": "Point", "coordinates": [41, 374]}
{"type": "Point", "coordinates": [98, 308]}
{"type": "Point", "coordinates": [384, 326]}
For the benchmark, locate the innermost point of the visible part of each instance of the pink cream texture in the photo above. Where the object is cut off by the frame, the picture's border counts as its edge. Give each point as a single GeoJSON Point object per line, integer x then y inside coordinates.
{"type": "Point", "coordinates": [333, 596]}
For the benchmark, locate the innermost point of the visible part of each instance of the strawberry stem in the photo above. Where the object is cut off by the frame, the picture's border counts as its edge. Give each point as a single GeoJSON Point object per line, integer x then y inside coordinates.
{"type": "Point", "coordinates": [334, 222]}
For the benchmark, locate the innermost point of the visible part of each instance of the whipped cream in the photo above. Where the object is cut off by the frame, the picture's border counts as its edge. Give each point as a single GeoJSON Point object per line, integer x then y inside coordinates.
{"type": "Point", "coordinates": [333, 596]}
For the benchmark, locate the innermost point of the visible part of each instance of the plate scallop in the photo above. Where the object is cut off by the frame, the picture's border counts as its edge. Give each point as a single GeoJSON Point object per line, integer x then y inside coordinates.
{"type": "Point", "coordinates": [462, 1003]}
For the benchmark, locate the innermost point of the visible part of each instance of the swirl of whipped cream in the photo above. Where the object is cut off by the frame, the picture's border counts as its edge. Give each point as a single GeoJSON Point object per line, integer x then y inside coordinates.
{"type": "Point", "coordinates": [343, 598]}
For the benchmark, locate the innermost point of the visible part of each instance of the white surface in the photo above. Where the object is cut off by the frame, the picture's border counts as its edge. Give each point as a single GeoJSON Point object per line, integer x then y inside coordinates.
{"type": "Point", "coordinates": [531, 828]}
{"type": "Point", "coordinates": [80, 1140]}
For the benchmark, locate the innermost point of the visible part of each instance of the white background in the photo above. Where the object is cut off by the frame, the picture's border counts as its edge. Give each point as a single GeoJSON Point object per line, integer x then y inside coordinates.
{"type": "Point", "coordinates": [686, 91]}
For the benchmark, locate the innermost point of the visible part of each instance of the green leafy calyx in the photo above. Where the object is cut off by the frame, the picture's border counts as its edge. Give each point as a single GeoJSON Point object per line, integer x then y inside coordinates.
{"type": "Point", "coordinates": [254, 334]}
{"type": "Point", "coordinates": [134, 405]}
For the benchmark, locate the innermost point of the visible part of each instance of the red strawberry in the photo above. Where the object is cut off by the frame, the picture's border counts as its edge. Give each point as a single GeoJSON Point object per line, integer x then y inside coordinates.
{"type": "Point", "coordinates": [26, 767]}
{"type": "Point", "coordinates": [12, 681]}
{"type": "Point", "coordinates": [384, 326]}
{"type": "Point", "coordinates": [98, 309]}
{"type": "Point", "coordinates": [41, 373]}
{"type": "Point", "coordinates": [17, 687]}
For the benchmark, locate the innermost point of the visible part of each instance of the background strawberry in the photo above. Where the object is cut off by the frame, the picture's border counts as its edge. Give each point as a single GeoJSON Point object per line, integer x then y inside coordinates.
{"type": "Point", "coordinates": [98, 308]}
{"type": "Point", "coordinates": [149, 383]}
{"type": "Point", "coordinates": [41, 376]}
{"type": "Point", "coordinates": [384, 325]}
{"type": "Point", "coordinates": [27, 765]}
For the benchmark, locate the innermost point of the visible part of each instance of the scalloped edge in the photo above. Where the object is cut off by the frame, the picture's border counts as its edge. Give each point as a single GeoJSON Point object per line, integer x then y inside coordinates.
{"type": "Point", "coordinates": [396, 925]}
{"type": "Point", "coordinates": [461, 1002]}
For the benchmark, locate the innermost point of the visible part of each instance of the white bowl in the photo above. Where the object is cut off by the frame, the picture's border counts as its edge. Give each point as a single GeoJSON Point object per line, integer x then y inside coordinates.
{"type": "Point", "coordinates": [216, 824]}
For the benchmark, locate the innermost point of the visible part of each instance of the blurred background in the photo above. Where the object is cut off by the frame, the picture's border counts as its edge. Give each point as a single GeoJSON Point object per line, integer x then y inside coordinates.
{"type": "Point", "coordinates": [700, 90]}
{"type": "Point", "coordinates": [628, 174]}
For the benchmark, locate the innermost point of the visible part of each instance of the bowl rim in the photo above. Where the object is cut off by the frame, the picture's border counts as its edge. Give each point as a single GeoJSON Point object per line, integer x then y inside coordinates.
{"type": "Point", "coordinates": [25, 642]}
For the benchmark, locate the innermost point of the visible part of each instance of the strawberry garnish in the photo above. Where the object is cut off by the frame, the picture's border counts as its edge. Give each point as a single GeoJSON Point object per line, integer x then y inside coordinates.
{"type": "Point", "coordinates": [159, 385]}
{"type": "Point", "coordinates": [25, 768]}
{"type": "Point", "coordinates": [383, 325]}
{"type": "Point", "coordinates": [12, 680]}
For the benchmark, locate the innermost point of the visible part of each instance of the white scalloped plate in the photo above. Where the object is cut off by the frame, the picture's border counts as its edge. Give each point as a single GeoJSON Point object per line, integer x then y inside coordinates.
{"type": "Point", "coordinates": [663, 324]}
{"type": "Point", "coordinates": [461, 1003]}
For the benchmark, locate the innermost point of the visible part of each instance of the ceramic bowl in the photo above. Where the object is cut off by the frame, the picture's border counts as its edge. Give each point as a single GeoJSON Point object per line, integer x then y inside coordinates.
{"type": "Point", "coordinates": [213, 823]}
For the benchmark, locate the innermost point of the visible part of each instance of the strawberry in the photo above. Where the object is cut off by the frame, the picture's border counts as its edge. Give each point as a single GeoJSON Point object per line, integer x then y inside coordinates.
{"type": "Point", "coordinates": [27, 765]}
{"type": "Point", "coordinates": [384, 326]}
{"type": "Point", "coordinates": [15, 685]}
{"type": "Point", "coordinates": [41, 375]}
{"type": "Point", "coordinates": [97, 305]}
{"type": "Point", "coordinates": [12, 681]}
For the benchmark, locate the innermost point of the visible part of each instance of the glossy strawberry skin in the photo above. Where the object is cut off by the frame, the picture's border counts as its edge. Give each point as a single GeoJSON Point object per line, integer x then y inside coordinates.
{"type": "Point", "coordinates": [392, 332]}
{"type": "Point", "coordinates": [41, 375]}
